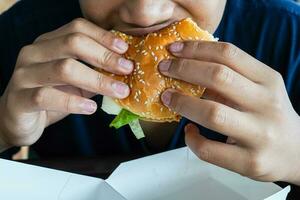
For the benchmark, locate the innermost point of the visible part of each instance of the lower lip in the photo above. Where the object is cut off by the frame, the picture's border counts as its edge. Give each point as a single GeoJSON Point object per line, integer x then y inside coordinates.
{"type": "Point", "coordinates": [145, 31]}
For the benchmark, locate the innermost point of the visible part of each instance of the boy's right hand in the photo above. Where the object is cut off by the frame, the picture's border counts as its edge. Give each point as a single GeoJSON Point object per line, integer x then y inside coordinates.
{"type": "Point", "coordinates": [50, 82]}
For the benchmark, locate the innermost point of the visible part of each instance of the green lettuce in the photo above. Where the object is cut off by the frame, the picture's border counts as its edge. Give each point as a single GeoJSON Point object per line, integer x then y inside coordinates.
{"type": "Point", "coordinates": [126, 117]}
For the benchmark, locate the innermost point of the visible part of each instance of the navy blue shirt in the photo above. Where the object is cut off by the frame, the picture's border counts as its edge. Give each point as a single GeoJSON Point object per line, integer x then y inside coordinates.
{"type": "Point", "coordinates": [268, 30]}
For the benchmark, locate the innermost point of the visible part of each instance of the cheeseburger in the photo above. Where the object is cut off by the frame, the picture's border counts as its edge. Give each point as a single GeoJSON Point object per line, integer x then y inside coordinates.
{"type": "Point", "coordinates": [146, 82]}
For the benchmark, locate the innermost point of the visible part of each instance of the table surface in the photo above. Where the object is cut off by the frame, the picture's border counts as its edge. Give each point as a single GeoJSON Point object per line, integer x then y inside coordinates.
{"type": "Point", "coordinates": [103, 166]}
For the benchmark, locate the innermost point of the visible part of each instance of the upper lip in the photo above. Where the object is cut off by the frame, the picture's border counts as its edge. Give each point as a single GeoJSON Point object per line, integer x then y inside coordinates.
{"type": "Point", "coordinates": [139, 31]}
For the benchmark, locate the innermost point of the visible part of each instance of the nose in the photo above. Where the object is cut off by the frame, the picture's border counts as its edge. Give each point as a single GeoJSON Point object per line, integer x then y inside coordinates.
{"type": "Point", "coordinates": [145, 13]}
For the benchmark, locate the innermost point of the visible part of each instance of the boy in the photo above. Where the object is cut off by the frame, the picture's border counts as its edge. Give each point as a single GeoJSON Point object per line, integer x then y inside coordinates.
{"type": "Point", "coordinates": [43, 80]}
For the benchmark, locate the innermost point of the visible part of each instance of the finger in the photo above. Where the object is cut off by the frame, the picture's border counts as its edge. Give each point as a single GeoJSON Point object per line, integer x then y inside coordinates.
{"type": "Point", "coordinates": [80, 25]}
{"type": "Point", "coordinates": [231, 141]}
{"type": "Point", "coordinates": [51, 99]}
{"type": "Point", "coordinates": [217, 77]}
{"type": "Point", "coordinates": [74, 73]}
{"type": "Point", "coordinates": [83, 48]}
{"type": "Point", "coordinates": [216, 97]}
{"type": "Point", "coordinates": [76, 91]}
{"type": "Point", "coordinates": [211, 115]}
{"type": "Point", "coordinates": [223, 155]}
{"type": "Point", "coordinates": [226, 54]}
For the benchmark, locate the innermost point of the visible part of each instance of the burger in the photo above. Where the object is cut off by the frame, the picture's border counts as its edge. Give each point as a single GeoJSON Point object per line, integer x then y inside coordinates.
{"type": "Point", "coordinates": [146, 82]}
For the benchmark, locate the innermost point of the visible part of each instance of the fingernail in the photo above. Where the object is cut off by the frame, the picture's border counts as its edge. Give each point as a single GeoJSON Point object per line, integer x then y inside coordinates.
{"type": "Point", "coordinates": [120, 45]}
{"type": "Point", "coordinates": [120, 89]}
{"type": "Point", "coordinates": [166, 98]}
{"type": "Point", "coordinates": [126, 64]}
{"type": "Point", "coordinates": [164, 66]}
{"type": "Point", "coordinates": [88, 106]}
{"type": "Point", "coordinates": [176, 47]}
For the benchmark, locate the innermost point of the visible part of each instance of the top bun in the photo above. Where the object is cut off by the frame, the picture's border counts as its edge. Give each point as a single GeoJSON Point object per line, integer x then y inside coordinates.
{"type": "Point", "coordinates": [146, 82]}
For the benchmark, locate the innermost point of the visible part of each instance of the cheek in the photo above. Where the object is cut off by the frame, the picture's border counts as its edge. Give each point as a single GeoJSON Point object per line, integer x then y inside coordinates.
{"type": "Point", "coordinates": [207, 14]}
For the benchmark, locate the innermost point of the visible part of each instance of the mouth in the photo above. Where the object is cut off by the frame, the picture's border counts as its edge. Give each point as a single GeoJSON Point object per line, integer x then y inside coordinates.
{"type": "Point", "coordinates": [140, 31]}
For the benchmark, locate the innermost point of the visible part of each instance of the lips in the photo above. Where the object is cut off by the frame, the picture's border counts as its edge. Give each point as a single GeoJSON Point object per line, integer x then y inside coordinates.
{"type": "Point", "coordinates": [145, 30]}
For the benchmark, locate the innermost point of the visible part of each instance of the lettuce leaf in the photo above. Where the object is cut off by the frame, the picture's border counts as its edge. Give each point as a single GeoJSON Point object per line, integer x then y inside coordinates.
{"type": "Point", "coordinates": [126, 117]}
{"type": "Point", "coordinates": [123, 118]}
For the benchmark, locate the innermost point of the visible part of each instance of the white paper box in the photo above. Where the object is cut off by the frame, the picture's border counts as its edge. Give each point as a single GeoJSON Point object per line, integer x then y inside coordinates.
{"type": "Point", "coordinates": [176, 175]}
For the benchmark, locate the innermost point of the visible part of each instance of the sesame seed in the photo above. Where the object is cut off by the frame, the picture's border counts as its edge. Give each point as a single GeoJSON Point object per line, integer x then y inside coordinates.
{"type": "Point", "coordinates": [150, 47]}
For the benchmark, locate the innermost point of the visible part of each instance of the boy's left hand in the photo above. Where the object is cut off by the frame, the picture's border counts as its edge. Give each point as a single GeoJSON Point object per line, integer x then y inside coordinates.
{"type": "Point", "coordinates": [246, 101]}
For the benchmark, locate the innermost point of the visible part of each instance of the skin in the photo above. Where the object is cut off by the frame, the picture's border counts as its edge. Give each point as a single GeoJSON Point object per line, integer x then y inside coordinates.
{"type": "Point", "coordinates": [263, 139]}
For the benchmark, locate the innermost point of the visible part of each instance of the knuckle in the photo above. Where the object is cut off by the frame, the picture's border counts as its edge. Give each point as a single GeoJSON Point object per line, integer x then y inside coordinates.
{"type": "Point", "coordinates": [100, 82]}
{"type": "Point", "coordinates": [41, 38]}
{"type": "Point", "coordinates": [25, 51]}
{"type": "Point", "coordinates": [77, 24]}
{"type": "Point", "coordinates": [204, 153]}
{"type": "Point", "coordinates": [67, 103]}
{"type": "Point", "coordinates": [228, 50]}
{"type": "Point", "coordinates": [195, 46]}
{"type": "Point", "coordinates": [220, 75]}
{"type": "Point", "coordinates": [63, 68]}
{"type": "Point", "coordinates": [217, 116]}
{"type": "Point", "coordinates": [178, 69]}
{"type": "Point", "coordinates": [276, 103]}
{"type": "Point", "coordinates": [74, 40]}
{"type": "Point", "coordinates": [255, 167]}
{"type": "Point", "coordinates": [277, 79]}
{"type": "Point", "coordinates": [18, 75]}
{"type": "Point", "coordinates": [106, 58]}
{"type": "Point", "coordinates": [267, 136]}
{"type": "Point", "coordinates": [105, 37]}
{"type": "Point", "coordinates": [38, 97]}
{"type": "Point", "coordinates": [177, 103]}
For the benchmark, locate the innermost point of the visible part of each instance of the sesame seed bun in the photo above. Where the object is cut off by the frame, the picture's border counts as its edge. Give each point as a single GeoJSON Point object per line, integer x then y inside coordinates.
{"type": "Point", "coordinates": [146, 82]}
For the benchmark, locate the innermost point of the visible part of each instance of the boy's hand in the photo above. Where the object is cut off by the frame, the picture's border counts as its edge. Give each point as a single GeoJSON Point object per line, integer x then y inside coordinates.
{"type": "Point", "coordinates": [50, 81]}
{"type": "Point", "coordinates": [245, 100]}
